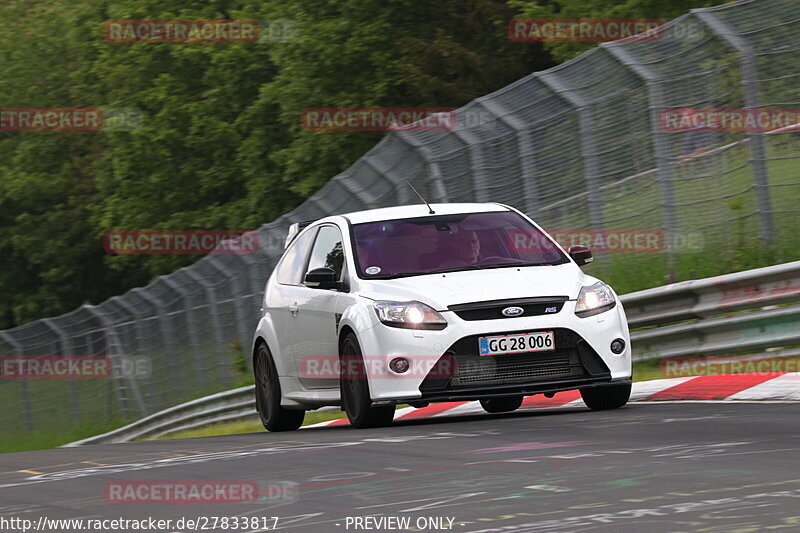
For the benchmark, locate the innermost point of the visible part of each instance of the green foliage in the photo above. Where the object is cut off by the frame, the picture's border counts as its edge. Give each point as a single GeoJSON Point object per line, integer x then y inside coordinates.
{"type": "Point", "coordinates": [220, 145]}
{"type": "Point", "coordinates": [588, 9]}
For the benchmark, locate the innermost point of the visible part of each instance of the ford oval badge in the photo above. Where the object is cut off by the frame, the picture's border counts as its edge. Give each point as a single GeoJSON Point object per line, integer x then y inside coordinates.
{"type": "Point", "coordinates": [512, 311]}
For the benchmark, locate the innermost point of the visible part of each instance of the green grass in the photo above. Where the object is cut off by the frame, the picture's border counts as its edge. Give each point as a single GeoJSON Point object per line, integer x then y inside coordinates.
{"type": "Point", "coordinates": [46, 440]}
{"type": "Point", "coordinates": [235, 428]}
{"type": "Point", "coordinates": [227, 428]}
{"type": "Point", "coordinates": [647, 370]}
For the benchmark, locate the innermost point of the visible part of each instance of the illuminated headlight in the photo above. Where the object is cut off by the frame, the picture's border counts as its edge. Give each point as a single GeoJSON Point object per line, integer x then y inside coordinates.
{"type": "Point", "coordinates": [411, 315]}
{"type": "Point", "coordinates": [594, 300]}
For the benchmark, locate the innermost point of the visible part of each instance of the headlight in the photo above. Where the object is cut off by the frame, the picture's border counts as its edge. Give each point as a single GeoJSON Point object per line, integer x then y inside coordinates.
{"type": "Point", "coordinates": [594, 300]}
{"type": "Point", "coordinates": [411, 315]}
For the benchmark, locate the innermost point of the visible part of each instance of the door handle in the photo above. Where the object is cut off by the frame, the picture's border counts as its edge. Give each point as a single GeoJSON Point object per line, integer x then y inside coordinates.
{"type": "Point", "coordinates": [294, 309]}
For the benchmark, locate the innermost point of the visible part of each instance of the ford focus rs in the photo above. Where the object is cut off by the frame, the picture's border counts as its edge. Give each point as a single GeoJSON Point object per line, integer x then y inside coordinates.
{"type": "Point", "coordinates": [419, 304]}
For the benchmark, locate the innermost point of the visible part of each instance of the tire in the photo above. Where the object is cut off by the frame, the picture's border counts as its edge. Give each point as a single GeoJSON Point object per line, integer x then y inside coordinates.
{"type": "Point", "coordinates": [354, 390]}
{"type": "Point", "coordinates": [501, 405]}
{"type": "Point", "coordinates": [268, 396]}
{"type": "Point", "coordinates": [606, 397]}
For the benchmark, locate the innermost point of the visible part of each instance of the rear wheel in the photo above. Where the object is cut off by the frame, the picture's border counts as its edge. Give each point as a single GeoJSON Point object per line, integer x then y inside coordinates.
{"type": "Point", "coordinates": [268, 396]}
{"type": "Point", "coordinates": [606, 396]}
{"type": "Point", "coordinates": [354, 388]}
{"type": "Point", "coordinates": [501, 405]}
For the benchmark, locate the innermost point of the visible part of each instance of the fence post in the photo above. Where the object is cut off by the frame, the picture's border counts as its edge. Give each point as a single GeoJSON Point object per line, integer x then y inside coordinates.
{"type": "Point", "coordinates": [120, 300]}
{"type": "Point", "coordinates": [117, 352]}
{"type": "Point", "coordinates": [191, 325]}
{"type": "Point", "coordinates": [239, 316]}
{"type": "Point", "coordinates": [588, 148]}
{"type": "Point", "coordinates": [434, 172]}
{"type": "Point", "coordinates": [66, 350]}
{"type": "Point", "coordinates": [400, 186]}
{"type": "Point", "coordinates": [655, 97]}
{"type": "Point", "coordinates": [211, 298]}
{"type": "Point", "coordinates": [364, 195]}
{"type": "Point", "coordinates": [23, 384]}
{"type": "Point", "coordinates": [758, 157]}
{"type": "Point", "coordinates": [255, 296]}
{"type": "Point", "coordinates": [526, 150]}
{"type": "Point", "coordinates": [477, 164]}
{"type": "Point", "coordinates": [166, 333]}
{"type": "Point", "coordinates": [322, 203]}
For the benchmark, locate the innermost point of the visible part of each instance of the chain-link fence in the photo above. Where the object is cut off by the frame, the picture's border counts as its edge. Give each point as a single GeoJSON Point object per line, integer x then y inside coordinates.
{"type": "Point", "coordinates": [580, 146]}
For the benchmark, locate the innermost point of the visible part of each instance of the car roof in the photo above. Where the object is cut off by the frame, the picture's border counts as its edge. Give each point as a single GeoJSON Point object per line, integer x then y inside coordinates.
{"type": "Point", "coordinates": [420, 210]}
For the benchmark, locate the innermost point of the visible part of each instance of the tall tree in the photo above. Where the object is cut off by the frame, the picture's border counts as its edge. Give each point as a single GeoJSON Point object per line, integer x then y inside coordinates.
{"type": "Point", "coordinates": [593, 9]}
{"type": "Point", "coordinates": [368, 53]}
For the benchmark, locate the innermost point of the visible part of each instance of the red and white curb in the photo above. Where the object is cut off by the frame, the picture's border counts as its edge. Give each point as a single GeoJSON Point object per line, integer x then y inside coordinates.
{"type": "Point", "coordinates": [720, 387]}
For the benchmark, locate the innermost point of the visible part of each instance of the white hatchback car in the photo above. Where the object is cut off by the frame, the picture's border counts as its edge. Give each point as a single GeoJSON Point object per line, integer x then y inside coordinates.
{"type": "Point", "coordinates": [414, 304]}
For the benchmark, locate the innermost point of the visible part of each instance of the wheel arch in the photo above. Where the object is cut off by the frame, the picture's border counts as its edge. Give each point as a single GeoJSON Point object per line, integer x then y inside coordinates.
{"type": "Point", "coordinates": [259, 340]}
{"type": "Point", "coordinates": [266, 333]}
{"type": "Point", "coordinates": [343, 333]}
{"type": "Point", "coordinates": [358, 320]}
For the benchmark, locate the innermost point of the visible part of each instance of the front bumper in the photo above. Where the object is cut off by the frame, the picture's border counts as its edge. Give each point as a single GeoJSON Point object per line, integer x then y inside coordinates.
{"type": "Point", "coordinates": [511, 390]}
{"type": "Point", "coordinates": [582, 357]}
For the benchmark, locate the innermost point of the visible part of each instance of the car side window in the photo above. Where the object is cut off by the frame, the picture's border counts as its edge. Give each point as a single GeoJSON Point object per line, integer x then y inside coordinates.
{"type": "Point", "coordinates": [328, 251]}
{"type": "Point", "coordinates": [291, 269]}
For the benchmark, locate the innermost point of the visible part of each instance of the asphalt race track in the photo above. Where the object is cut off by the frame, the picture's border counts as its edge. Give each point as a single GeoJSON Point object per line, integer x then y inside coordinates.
{"type": "Point", "coordinates": [684, 466]}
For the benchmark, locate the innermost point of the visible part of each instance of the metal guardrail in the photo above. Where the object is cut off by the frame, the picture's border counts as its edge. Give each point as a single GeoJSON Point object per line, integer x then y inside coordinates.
{"type": "Point", "coordinates": [735, 313]}
{"type": "Point", "coordinates": [228, 406]}
{"type": "Point", "coordinates": [690, 318]}
{"type": "Point", "coordinates": [225, 406]}
{"type": "Point", "coordinates": [773, 285]}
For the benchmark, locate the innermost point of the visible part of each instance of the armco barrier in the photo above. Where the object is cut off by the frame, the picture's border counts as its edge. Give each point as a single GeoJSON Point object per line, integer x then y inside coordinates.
{"type": "Point", "coordinates": [228, 406]}
{"type": "Point", "coordinates": [773, 285]}
{"type": "Point", "coordinates": [221, 407]}
{"type": "Point", "coordinates": [735, 313]}
{"type": "Point", "coordinates": [764, 318]}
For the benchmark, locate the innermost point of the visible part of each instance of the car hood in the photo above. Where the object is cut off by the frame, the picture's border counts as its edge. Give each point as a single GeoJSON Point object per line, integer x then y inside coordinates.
{"type": "Point", "coordinates": [443, 290]}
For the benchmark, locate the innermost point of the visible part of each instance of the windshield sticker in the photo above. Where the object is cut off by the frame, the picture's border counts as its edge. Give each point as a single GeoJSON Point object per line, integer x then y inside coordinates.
{"type": "Point", "coordinates": [373, 270]}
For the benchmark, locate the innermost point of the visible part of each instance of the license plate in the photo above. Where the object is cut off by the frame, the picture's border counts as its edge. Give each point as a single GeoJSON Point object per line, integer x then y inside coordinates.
{"type": "Point", "coordinates": [542, 341]}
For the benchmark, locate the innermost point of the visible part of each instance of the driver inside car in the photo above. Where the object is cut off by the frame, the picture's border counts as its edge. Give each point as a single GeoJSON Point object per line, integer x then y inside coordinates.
{"type": "Point", "coordinates": [464, 248]}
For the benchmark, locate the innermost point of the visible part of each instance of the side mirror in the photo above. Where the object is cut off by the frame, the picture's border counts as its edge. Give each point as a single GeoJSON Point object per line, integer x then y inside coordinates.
{"type": "Point", "coordinates": [321, 278]}
{"type": "Point", "coordinates": [580, 254]}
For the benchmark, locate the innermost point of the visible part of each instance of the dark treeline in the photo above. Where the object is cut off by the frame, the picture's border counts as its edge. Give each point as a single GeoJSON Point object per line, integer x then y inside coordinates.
{"type": "Point", "coordinates": [220, 144]}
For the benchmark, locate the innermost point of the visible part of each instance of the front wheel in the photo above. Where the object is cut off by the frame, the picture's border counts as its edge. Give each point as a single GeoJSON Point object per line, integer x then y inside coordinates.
{"type": "Point", "coordinates": [501, 405]}
{"type": "Point", "coordinates": [354, 388]}
{"type": "Point", "coordinates": [606, 396]}
{"type": "Point", "coordinates": [268, 396]}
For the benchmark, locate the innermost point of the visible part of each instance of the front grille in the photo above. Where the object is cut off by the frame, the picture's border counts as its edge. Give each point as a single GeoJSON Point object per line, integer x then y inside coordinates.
{"type": "Point", "coordinates": [462, 367]}
{"type": "Point", "coordinates": [492, 310]}
{"type": "Point", "coordinates": [520, 368]}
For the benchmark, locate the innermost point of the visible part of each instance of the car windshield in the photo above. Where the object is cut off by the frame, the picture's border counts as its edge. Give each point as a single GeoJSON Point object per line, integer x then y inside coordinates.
{"type": "Point", "coordinates": [446, 243]}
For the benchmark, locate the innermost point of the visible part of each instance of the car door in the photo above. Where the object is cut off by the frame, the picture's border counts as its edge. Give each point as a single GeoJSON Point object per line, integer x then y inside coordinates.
{"type": "Point", "coordinates": [282, 297]}
{"type": "Point", "coordinates": [316, 350]}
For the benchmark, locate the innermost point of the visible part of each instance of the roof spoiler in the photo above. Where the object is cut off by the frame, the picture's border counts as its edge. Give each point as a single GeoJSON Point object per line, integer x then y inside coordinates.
{"type": "Point", "coordinates": [295, 229]}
